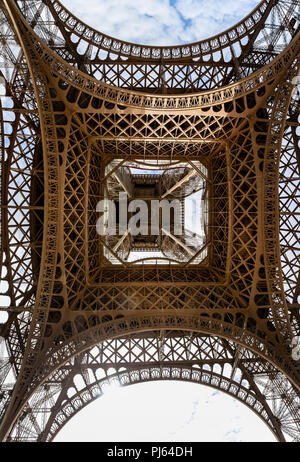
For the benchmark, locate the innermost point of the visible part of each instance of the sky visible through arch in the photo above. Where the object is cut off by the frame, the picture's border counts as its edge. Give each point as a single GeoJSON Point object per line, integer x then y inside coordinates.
{"type": "Point", "coordinates": [165, 411]}
{"type": "Point", "coordinates": [161, 22]}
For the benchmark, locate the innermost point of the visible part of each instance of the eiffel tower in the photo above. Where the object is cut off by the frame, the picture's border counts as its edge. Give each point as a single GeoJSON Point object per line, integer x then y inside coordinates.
{"type": "Point", "coordinates": [86, 117]}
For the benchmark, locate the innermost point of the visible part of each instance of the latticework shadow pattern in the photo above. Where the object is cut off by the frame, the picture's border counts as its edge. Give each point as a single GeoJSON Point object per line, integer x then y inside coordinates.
{"type": "Point", "coordinates": [77, 102]}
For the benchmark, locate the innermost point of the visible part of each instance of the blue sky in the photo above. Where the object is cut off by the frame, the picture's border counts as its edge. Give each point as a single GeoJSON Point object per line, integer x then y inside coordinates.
{"type": "Point", "coordinates": [161, 22]}
{"type": "Point", "coordinates": [164, 411]}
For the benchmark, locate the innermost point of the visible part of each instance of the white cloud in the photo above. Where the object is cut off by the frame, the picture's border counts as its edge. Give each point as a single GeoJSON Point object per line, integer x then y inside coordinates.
{"type": "Point", "coordinates": [160, 22]}
{"type": "Point", "coordinates": [152, 21]}
{"type": "Point", "coordinates": [218, 10]}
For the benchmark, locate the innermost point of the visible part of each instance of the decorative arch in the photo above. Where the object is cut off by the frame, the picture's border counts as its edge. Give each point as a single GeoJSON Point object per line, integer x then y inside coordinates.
{"type": "Point", "coordinates": [246, 291]}
{"type": "Point", "coordinates": [166, 355]}
{"type": "Point", "coordinates": [131, 377]}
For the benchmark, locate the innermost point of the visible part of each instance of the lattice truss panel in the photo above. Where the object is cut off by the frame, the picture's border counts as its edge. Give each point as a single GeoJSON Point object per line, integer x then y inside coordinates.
{"type": "Point", "coordinates": [171, 355]}
{"type": "Point", "coordinates": [63, 296]}
{"type": "Point", "coordinates": [289, 189]}
{"type": "Point", "coordinates": [209, 64]}
{"type": "Point", "coordinates": [19, 208]}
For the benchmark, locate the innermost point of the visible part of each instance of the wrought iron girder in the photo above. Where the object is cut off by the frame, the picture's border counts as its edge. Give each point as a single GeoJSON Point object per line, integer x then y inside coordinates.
{"type": "Point", "coordinates": [240, 291]}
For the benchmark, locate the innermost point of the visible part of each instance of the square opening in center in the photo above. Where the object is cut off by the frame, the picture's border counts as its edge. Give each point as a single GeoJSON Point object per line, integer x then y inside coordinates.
{"type": "Point", "coordinates": [154, 212]}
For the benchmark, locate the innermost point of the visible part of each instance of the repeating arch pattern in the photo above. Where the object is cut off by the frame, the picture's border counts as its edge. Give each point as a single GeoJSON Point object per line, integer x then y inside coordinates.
{"type": "Point", "coordinates": [64, 121]}
{"type": "Point", "coordinates": [170, 355]}
{"type": "Point", "coordinates": [223, 59]}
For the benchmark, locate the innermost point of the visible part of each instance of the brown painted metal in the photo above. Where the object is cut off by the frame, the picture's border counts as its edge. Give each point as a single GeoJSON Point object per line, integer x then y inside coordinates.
{"type": "Point", "coordinates": [227, 102]}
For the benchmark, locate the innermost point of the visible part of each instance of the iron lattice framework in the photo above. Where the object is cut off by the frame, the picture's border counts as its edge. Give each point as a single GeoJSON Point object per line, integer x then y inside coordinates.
{"type": "Point", "coordinates": [78, 101]}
